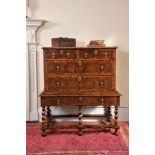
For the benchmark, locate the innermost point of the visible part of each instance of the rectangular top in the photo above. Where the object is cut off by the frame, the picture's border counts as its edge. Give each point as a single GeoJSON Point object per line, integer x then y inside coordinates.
{"type": "Point", "coordinates": [113, 47]}
{"type": "Point", "coordinates": [83, 93]}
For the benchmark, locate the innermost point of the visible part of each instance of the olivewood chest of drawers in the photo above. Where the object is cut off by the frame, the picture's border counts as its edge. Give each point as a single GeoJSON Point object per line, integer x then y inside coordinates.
{"type": "Point", "coordinates": [76, 76]}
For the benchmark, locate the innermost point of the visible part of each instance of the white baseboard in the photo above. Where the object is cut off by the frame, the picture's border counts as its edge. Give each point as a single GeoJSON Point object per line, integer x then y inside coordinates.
{"type": "Point", "coordinates": [34, 116]}
{"type": "Point", "coordinates": [27, 116]}
{"type": "Point", "coordinates": [124, 114]}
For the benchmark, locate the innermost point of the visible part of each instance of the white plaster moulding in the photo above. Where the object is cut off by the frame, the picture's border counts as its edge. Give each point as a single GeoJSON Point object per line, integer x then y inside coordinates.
{"type": "Point", "coordinates": [33, 23]}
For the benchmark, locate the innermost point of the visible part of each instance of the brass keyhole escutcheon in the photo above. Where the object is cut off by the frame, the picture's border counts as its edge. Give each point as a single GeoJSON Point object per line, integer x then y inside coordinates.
{"type": "Point", "coordinates": [58, 101]}
{"type": "Point", "coordinates": [58, 68]}
{"type": "Point", "coordinates": [106, 55]}
{"type": "Point", "coordinates": [101, 68]}
{"type": "Point", "coordinates": [68, 55]}
{"type": "Point", "coordinates": [102, 101]}
{"type": "Point", "coordinates": [61, 52]}
{"type": "Point", "coordinates": [80, 63]}
{"type": "Point", "coordinates": [79, 78]}
{"type": "Point", "coordinates": [80, 98]}
{"type": "Point", "coordinates": [101, 84]}
{"type": "Point", "coordinates": [53, 55]}
{"type": "Point", "coordinates": [58, 84]}
{"type": "Point", "coordinates": [86, 55]}
{"type": "Point", "coordinates": [95, 52]}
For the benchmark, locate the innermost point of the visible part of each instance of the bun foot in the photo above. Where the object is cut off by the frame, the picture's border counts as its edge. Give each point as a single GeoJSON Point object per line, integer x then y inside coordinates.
{"type": "Point", "coordinates": [80, 133]}
{"type": "Point", "coordinates": [106, 130]}
{"type": "Point", "coordinates": [116, 132]}
{"type": "Point", "coordinates": [43, 134]}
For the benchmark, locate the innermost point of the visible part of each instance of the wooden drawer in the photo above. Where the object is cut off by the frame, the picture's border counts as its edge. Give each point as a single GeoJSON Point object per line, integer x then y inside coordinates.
{"type": "Point", "coordinates": [60, 54]}
{"type": "Point", "coordinates": [61, 83]}
{"type": "Point", "coordinates": [78, 83]}
{"type": "Point", "coordinates": [79, 100]}
{"type": "Point", "coordinates": [95, 83]}
{"type": "Point", "coordinates": [96, 67]}
{"type": "Point", "coordinates": [93, 67]}
{"type": "Point", "coordinates": [61, 67]}
{"type": "Point", "coordinates": [96, 53]}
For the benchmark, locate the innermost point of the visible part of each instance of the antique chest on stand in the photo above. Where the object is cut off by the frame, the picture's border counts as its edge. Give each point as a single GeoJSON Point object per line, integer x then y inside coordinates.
{"type": "Point", "coordinates": [80, 76]}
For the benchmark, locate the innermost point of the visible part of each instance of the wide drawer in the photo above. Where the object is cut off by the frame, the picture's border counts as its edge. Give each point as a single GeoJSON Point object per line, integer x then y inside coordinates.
{"type": "Point", "coordinates": [78, 83]}
{"type": "Point", "coordinates": [80, 100]}
{"type": "Point", "coordinates": [96, 67]}
{"type": "Point", "coordinates": [60, 54]}
{"type": "Point", "coordinates": [96, 53]}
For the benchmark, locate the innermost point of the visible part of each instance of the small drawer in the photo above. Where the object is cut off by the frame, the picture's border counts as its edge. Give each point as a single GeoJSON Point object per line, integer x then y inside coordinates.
{"type": "Point", "coordinates": [60, 101]}
{"type": "Point", "coordinates": [96, 53]}
{"type": "Point", "coordinates": [53, 101]}
{"type": "Point", "coordinates": [80, 100]}
{"type": "Point", "coordinates": [60, 54]}
{"type": "Point", "coordinates": [96, 83]}
{"type": "Point", "coordinates": [96, 67]}
{"type": "Point", "coordinates": [61, 67]}
{"type": "Point", "coordinates": [96, 101]}
{"type": "Point", "coordinates": [61, 83]}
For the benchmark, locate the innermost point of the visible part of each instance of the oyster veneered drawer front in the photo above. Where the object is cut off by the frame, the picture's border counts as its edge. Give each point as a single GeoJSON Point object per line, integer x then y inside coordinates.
{"type": "Point", "coordinates": [96, 67]}
{"type": "Point", "coordinates": [96, 53]}
{"type": "Point", "coordinates": [59, 101]}
{"type": "Point", "coordinates": [80, 100]}
{"type": "Point", "coordinates": [78, 83]}
{"type": "Point", "coordinates": [61, 67]}
{"type": "Point", "coordinates": [60, 54]}
{"type": "Point", "coordinates": [93, 67]}
{"type": "Point", "coordinates": [96, 83]}
{"type": "Point", "coordinates": [61, 83]}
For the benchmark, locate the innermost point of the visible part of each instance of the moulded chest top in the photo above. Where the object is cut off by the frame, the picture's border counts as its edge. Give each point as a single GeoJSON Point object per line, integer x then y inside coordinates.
{"type": "Point", "coordinates": [107, 47]}
{"type": "Point", "coordinates": [82, 93]}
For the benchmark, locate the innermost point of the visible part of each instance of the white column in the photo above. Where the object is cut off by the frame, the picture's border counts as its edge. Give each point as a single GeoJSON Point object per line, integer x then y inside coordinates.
{"type": "Point", "coordinates": [31, 68]}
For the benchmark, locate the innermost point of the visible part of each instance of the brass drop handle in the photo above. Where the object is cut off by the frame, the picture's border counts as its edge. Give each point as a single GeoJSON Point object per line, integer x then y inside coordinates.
{"type": "Point", "coordinates": [58, 68]}
{"type": "Point", "coordinates": [80, 63]}
{"type": "Point", "coordinates": [58, 84]}
{"type": "Point", "coordinates": [79, 78]}
{"type": "Point", "coordinates": [53, 55]}
{"type": "Point", "coordinates": [86, 55]}
{"type": "Point", "coordinates": [61, 52]}
{"type": "Point", "coordinates": [101, 68]}
{"type": "Point", "coordinates": [80, 98]}
{"type": "Point", "coordinates": [101, 83]}
{"type": "Point", "coordinates": [68, 55]}
{"type": "Point", "coordinates": [102, 101]}
{"type": "Point", "coordinates": [58, 101]}
{"type": "Point", "coordinates": [106, 55]}
{"type": "Point", "coordinates": [95, 52]}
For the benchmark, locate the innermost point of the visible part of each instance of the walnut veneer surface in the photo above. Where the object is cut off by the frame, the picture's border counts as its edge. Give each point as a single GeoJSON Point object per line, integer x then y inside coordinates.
{"type": "Point", "coordinates": [78, 76]}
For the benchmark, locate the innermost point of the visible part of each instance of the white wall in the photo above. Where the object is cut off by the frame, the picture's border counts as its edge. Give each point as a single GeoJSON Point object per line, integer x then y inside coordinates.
{"type": "Point", "coordinates": [86, 20]}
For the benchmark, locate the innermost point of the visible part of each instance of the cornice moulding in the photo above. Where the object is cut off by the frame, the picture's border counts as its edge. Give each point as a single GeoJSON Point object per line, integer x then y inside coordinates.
{"type": "Point", "coordinates": [33, 23]}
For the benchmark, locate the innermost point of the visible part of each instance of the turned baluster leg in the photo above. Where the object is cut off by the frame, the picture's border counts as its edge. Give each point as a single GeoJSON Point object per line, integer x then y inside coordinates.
{"type": "Point", "coordinates": [116, 132]}
{"type": "Point", "coordinates": [43, 128]}
{"type": "Point", "coordinates": [109, 114]}
{"type": "Point", "coordinates": [48, 115]}
{"type": "Point", "coordinates": [80, 121]}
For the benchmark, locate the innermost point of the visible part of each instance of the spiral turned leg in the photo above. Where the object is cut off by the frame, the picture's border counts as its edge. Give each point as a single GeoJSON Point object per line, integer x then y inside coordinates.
{"type": "Point", "coordinates": [43, 128]}
{"type": "Point", "coordinates": [80, 121]}
{"type": "Point", "coordinates": [48, 115]}
{"type": "Point", "coordinates": [116, 132]}
{"type": "Point", "coordinates": [109, 114]}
